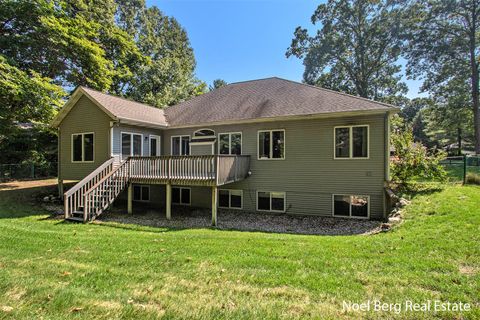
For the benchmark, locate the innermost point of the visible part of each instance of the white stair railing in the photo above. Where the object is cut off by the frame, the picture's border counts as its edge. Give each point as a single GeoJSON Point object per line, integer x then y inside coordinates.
{"type": "Point", "coordinates": [105, 191]}
{"type": "Point", "coordinates": [73, 198]}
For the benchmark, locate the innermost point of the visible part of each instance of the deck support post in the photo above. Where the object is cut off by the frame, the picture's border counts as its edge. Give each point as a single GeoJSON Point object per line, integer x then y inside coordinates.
{"type": "Point", "coordinates": [130, 199]}
{"type": "Point", "coordinates": [214, 205]}
{"type": "Point", "coordinates": [168, 202]}
{"type": "Point", "coordinates": [60, 188]}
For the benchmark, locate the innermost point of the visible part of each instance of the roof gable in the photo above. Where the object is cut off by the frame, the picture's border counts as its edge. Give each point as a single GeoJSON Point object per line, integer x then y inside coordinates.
{"type": "Point", "coordinates": [115, 107]}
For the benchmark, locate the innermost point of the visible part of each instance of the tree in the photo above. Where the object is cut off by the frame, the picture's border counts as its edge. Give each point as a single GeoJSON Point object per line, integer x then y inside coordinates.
{"type": "Point", "coordinates": [217, 83]}
{"type": "Point", "coordinates": [66, 41]}
{"type": "Point", "coordinates": [356, 49]}
{"type": "Point", "coordinates": [167, 75]}
{"type": "Point", "coordinates": [26, 97]}
{"type": "Point", "coordinates": [443, 48]}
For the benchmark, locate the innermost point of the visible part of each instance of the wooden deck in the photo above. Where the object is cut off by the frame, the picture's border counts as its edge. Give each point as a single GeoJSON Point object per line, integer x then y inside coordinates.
{"type": "Point", "coordinates": [208, 170]}
{"type": "Point", "coordinates": [91, 196]}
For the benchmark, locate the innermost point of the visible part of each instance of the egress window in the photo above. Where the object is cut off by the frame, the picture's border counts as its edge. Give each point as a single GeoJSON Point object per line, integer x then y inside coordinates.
{"type": "Point", "coordinates": [82, 147]}
{"type": "Point", "coordinates": [271, 201]}
{"type": "Point", "coordinates": [271, 144]}
{"type": "Point", "coordinates": [230, 143]}
{"type": "Point", "coordinates": [351, 142]}
{"type": "Point", "coordinates": [231, 199]}
{"type": "Point", "coordinates": [351, 206]}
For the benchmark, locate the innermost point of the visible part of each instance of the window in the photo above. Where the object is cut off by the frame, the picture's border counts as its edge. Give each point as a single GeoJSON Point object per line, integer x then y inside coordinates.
{"type": "Point", "coordinates": [271, 201]}
{"type": "Point", "coordinates": [82, 147]}
{"type": "Point", "coordinates": [271, 144]}
{"type": "Point", "coordinates": [232, 199]}
{"type": "Point", "coordinates": [141, 193]}
{"type": "Point", "coordinates": [351, 206]}
{"type": "Point", "coordinates": [230, 143]}
{"type": "Point", "coordinates": [131, 144]}
{"type": "Point", "coordinates": [180, 145]}
{"type": "Point", "coordinates": [204, 133]}
{"type": "Point", "coordinates": [351, 142]}
{"type": "Point", "coordinates": [154, 145]}
{"type": "Point", "coordinates": [181, 195]}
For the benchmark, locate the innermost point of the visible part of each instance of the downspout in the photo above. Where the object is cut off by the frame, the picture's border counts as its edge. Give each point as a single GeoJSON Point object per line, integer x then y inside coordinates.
{"type": "Point", "coordinates": [386, 168]}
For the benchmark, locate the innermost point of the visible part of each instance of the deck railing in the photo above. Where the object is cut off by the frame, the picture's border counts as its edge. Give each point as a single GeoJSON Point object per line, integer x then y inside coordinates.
{"type": "Point", "coordinates": [219, 169]}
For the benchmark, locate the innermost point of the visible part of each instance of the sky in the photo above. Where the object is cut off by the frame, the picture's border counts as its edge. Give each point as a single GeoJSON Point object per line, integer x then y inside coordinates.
{"type": "Point", "coordinates": [238, 40]}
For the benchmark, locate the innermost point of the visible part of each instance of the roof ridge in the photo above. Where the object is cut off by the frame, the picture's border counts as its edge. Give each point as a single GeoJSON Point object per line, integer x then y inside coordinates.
{"type": "Point", "coordinates": [337, 92]}
{"type": "Point", "coordinates": [253, 80]}
{"type": "Point", "coordinates": [123, 98]}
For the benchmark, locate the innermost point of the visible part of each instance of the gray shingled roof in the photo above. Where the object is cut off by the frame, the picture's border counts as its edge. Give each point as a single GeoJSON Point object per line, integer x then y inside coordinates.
{"type": "Point", "coordinates": [127, 109]}
{"type": "Point", "coordinates": [255, 99]}
{"type": "Point", "coordinates": [266, 98]}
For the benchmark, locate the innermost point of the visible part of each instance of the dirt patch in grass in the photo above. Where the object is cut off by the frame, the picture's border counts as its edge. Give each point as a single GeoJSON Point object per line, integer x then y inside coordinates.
{"type": "Point", "coordinates": [467, 270]}
{"type": "Point", "coordinates": [183, 217]}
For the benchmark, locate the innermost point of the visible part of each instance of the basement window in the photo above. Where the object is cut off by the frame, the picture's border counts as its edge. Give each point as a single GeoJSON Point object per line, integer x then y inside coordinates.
{"type": "Point", "coordinates": [181, 195]}
{"type": "Point", "coordinates": [348, 206]}
{"type": "Point", "coordinates": [230, 199]}
{"type": "Point", "coordinates": [141, 193]}
{"type": "Point", "coordinates": [271, 201]}
{"type": "Point", "coordinates": [83, 147]}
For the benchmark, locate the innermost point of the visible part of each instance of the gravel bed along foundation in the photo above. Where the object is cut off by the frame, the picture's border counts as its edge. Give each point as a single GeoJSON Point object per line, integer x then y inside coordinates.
{"type": "Point", "coordinates": [187, 217]}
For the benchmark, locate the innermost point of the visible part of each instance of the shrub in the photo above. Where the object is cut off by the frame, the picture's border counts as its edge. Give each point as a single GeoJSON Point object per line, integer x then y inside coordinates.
{"type": "Point", "coordinates": [413, 160]}
{"type": "Point", "coordinates": [473, 178]}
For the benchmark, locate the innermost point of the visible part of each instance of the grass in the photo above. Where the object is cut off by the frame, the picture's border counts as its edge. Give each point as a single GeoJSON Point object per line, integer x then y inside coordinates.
{"type": "Point", "coordinates": [55, 270]}
{"type": "Point", "coordinates": [455, 171]}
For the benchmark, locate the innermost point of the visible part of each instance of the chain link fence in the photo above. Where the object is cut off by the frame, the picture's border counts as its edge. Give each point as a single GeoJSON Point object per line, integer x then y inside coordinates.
{"type": "Point", "coordinates": [16, 171]}
{"type": "Point", "coordinates": [460, 168]}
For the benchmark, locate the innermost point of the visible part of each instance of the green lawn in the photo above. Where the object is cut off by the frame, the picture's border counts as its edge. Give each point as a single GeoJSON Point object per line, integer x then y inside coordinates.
{"type": "Point", "coordinates": [61, 270]}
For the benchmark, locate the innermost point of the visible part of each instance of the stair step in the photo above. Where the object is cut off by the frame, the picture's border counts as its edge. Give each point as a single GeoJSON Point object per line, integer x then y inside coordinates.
{"type": "Point", "coordinates": [74, 219]}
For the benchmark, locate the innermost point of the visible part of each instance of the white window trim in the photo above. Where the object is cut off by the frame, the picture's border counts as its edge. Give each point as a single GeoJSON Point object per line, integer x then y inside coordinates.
{"type": "Point", "coordinates": [230, 200]}
{"type": "Point", "coordinates": [271, 144]}
{"type": "Point", "coordinates": [142, 186]}
{"type": "Point", "coordinates": [159, 146]}
{"type": "Point", "coordinates": [203, 137]}
{"type": "Point", "coordinates": [189, 198]}
{"type": "Point", "coordinates": [131, 143]}
{"type": "Point", "coordinates": [350, 137]}
{"type": "Point", "coordinates": [230, 142]}
{"type": "Point", "coordinates": [83, 147]}
{"type": "Point", "coordinates": [180, 136]}
{"type": "Point", "coordinates": [270, 192]}
{"type": "Point", "coordinates": [350, 210]}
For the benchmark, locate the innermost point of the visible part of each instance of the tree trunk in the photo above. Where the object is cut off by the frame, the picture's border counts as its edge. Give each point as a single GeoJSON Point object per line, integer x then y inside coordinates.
{"type": "Point", "coordinates": [474, 78]}
{"type": "Point", "coordinates": [459, 140]}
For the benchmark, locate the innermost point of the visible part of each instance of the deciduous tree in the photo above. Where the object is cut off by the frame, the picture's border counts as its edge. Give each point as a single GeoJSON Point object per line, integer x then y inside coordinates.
{"type": "Point", "coordinates": [443, 47]}
{"type": "Point", "coordinates": [356, 49]}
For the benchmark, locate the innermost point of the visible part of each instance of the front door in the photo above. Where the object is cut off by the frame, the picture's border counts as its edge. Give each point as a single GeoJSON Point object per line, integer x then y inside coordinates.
{"type": "Point", "coordinates": [154, 146]}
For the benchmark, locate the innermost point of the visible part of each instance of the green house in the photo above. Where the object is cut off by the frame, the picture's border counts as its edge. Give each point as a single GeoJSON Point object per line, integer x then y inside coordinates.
{"type": "Point", "coordinates": [268, 145]}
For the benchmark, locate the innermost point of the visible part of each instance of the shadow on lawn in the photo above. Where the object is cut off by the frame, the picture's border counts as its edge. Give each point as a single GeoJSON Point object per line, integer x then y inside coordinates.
{"type": "Point", "coordinates": [23, 198]}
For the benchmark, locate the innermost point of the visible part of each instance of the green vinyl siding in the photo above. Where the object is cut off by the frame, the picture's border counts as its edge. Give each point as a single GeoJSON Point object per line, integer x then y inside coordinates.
{"type": "Point", "coordinates": [309, 174]}
{"type": "Point", "coordinates": [85, 116]}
